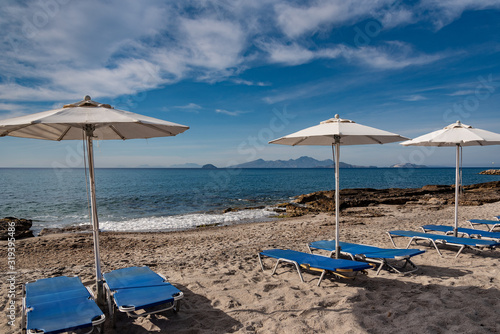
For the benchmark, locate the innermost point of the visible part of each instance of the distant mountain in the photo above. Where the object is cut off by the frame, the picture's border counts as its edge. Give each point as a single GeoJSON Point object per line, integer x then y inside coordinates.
{"type": "Point", "coordinates": [302, 162]}
{"type": "Point", "coordinates": [187, 165]}
{"type": "Point", "coordinates": [209, 166]}
{"type": "Point", "coordinates": [407, 165]}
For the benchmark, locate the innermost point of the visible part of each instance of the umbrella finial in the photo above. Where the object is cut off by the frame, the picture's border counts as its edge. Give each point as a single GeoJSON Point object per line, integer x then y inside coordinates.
{"type": "Point", "coordinates": [337, 116]}
{"type": "Point", "coordinates": [87, 98]}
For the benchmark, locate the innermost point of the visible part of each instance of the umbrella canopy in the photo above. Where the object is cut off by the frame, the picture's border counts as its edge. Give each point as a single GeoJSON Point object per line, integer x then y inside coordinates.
{"type": "Point", "coordinates": [335, 132]}
{"type": "Point", "coordinates": [456, 135]}
{"type": "Point", "coordinates": [69, 122]}
{"type": "Point", "coordinates": [89, 120]}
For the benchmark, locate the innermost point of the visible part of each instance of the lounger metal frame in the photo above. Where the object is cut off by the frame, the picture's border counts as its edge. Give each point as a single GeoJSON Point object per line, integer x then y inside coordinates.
{"type": "Point", "coordinates": [434, 242]}
{"type": "Point", "coordinates": [96, 323]}
{"type": "Point", "coordinates": [337, 273]}
{"type": "Point", "coordinates": [378, 263]}
{"type": "Point", "coordinates": [490, 226]}
{"type": "Point", "coordinates": [465, 232]}
{"type": "Point", "coordinates": [131, 311]}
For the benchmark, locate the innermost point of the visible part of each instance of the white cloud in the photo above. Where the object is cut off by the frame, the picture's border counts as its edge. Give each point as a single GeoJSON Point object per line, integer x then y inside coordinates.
{"type": "Point", "coordinates": [414, 98]}
{"type": "Point", "coordinates": [250, 83]}
{"type": "Point", "coordinates": [56, 49]}
{"type": "Point", "coordinates": [212, 43]}
{"type": "Point", "coordinates": [392, 55]}
{"type": "Point", "coordinates": [396, 17]}
{"type": "Point", "coordinates": [229, 113]}
{"type": "Point", "coordinates": [297, 20]}
{"type": "Point", "coordinates": [190, 107]}
{"type": "Point", "coordinates": [443, 12]}
{"type": "Point", "coordinates": [462, 92]}
{"type": "Point", "coordinates": [288, 54]}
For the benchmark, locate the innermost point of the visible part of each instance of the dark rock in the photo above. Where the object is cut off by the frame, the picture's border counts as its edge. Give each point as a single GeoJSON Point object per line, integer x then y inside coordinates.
{"type": "Point", "coordinates": [430, 195]}
{"type": "Point", "coordinates": [490, 172]}
{"type": "Point", "coordinates": [19, 227]}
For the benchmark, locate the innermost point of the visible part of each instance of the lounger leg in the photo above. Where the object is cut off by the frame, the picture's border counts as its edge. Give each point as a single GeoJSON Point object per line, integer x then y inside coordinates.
{"type": "Point", "coordinates": [411, 240]}
{"type": "Point", "coordinates": [291, 262]}
{"type": "Point", "coordinates": [460, 251]}
{"type": "Point", "coordinates": [379, 268]}
{"type": "Point", "coordinates": [435, 246]}
{"type": "Point", "coordinates": [260, 260]}
{"type": "Point", "coordinates": [111, 305]}
{"type": "Point", "coordinates": [321, 277]}
{"type": "Point", "coordinates": [275, 267]}
{"type": "Point", "coordinates": [298, 270]}
{"type": "Point", "coordinates": [392, 240]}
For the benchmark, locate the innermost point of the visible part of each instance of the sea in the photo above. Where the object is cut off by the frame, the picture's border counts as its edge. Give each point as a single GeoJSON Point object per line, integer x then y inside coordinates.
{"type": "Point", "coordinates": [157, 199]}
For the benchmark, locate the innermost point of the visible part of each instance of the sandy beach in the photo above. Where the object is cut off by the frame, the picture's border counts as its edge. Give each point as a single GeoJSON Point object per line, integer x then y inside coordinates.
{"type": "Point", "coordinates": [226, 291]}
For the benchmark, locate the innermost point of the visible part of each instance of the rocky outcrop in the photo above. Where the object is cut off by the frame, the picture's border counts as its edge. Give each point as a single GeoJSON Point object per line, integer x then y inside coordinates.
{"type": "Point", "coordinates": [490, 172]}
{"type": "Point", "coordinates": [432, 195]}
{"type": "Point", "coordinates": [14, 227]}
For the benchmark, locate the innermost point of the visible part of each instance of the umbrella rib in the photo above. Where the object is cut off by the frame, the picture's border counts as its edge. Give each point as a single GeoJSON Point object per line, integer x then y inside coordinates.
{"type": "Point", "coordinates": [156, 128]}
{"type": "Point", "coordinates": [300, 141]}
{"type": "Point", "coordinates": [64, 133]}
{"type": "Point", "coordinates": [6, 133]}
{"type": "Point", "coordinates": [375, 140]}
{"type": "Point", "coordinates": [112, 127]}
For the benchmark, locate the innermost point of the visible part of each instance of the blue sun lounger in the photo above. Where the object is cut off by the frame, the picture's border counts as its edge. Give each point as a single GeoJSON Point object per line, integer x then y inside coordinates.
{"type": "Point", "coordinates": [321, 263]}
{"type": "Point", "coordinates": [435, 239]}
{"type": "Point", "coordinates": [383, 257]}
{"type": "Point", "coordinates": [59, 304]}
{"type": "Point", "coordinates": [490, 224]}
{"type": "Point", "coordinates": [139, 291]}
{"type": "Point", "coordinates": [465, 232]}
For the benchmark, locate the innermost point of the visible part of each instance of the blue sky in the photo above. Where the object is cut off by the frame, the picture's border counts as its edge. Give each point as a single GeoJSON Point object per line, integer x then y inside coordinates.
{"type": "Point", "coordinates": [241, 73]}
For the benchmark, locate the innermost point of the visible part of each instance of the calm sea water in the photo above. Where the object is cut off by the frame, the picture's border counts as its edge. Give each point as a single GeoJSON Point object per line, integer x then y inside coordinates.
{"type": "Point", "coordinates": [165, 199]}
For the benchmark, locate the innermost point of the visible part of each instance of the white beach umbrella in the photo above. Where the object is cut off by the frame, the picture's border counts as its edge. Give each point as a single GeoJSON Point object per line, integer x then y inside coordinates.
{"type": "Point", "coordinates": [88, 120]}
{"type": "Point", "coordinates": [335, 132]}
{"type": "Point", "coordinates": [456, 135]}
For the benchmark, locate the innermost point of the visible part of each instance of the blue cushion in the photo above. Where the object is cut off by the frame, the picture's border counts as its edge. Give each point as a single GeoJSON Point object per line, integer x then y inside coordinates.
{"type": "Point", "coordinates": [315, 261]}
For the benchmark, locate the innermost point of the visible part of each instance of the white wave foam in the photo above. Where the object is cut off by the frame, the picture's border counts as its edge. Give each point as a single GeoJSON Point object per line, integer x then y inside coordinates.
{"type": "Point", "coordinates": [166, 223]}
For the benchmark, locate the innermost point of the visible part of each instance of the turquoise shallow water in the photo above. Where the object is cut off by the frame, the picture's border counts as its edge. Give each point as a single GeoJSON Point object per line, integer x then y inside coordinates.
{"type": "Point", "coordinates": [164, 199]}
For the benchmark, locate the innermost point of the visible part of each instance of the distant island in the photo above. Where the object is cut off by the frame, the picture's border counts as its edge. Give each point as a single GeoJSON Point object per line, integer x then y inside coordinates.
{"type": "Point", "coordinates": [407, 165]}
{"type": "Point", "coordinates": [208, 166]}
{"type": "Point", "coordinates": [188, 165]}
{"type": "Point", "coordinates": [302, 162]}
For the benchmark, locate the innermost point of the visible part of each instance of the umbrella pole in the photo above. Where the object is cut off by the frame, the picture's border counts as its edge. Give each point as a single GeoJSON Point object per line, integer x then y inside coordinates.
{"type": "Point", "coordinates": [95, 221]}
{"type": "Point", "coordinates": [457, 189]}
{"type": "Point", "coordinates": [337, 195]}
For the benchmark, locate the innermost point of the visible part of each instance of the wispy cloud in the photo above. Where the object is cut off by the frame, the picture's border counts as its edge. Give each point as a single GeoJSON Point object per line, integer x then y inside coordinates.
{"type": "Point", "coordinates": [190, 107]}
{"type": "Point", "coordinates": [250, 83]}
{"type": "Point", "coordinates": [443, 12]}
{"type": "Point", "coordinates": [414, 98]}
{"type": "Point", "coordinates": [462, 92]}
{"type": "Point", "coordinates": [229, 113]}
{"type": "Point", "coordinates": [391, 55]}
{"type": "Point", "coordinates": [297, 20]}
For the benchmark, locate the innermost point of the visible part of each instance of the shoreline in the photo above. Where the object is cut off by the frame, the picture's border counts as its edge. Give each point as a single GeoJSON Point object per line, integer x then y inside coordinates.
{"type": "Point", "coordinates": [316, 202]}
